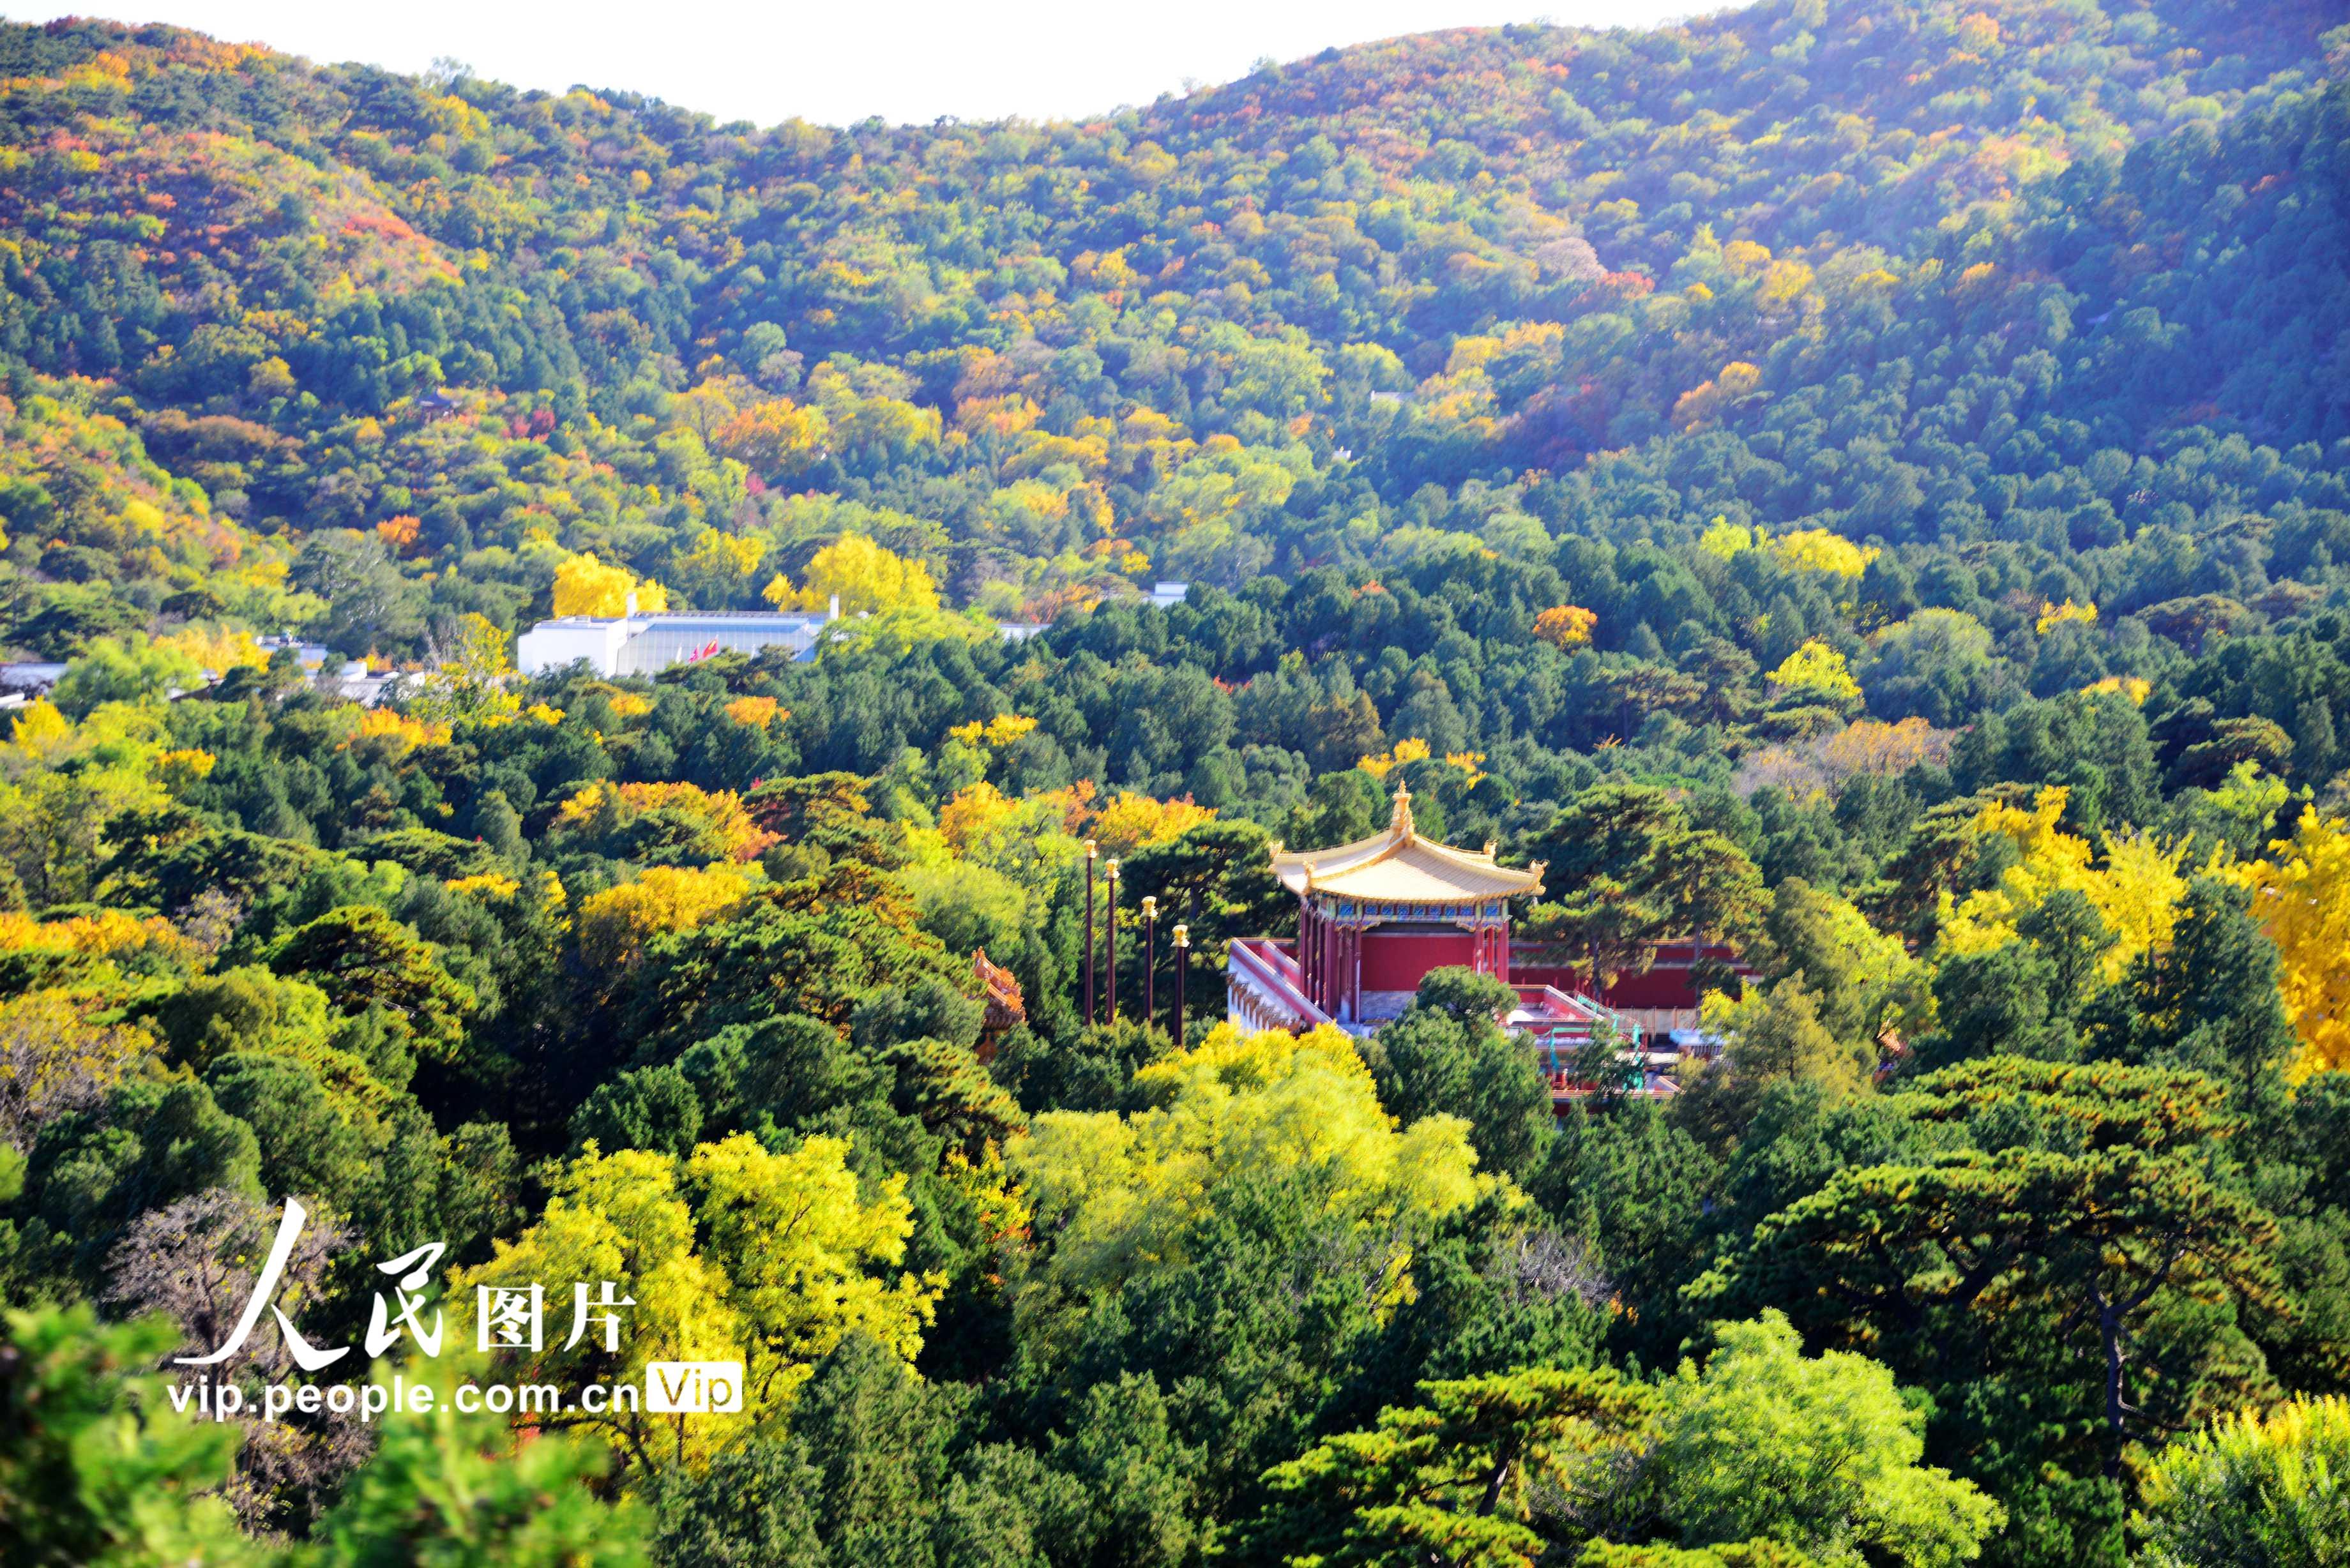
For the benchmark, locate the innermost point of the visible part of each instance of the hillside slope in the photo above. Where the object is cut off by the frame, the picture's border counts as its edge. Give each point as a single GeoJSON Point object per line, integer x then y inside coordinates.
{"type": "Point", "coordinates": [2027, 272]}
{"type": "Point", "coordinates": [1867, 483]}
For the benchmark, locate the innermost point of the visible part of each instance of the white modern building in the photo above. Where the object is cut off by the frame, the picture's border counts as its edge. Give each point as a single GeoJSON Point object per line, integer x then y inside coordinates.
{"type": "Point", "coordinates": [640, 644]}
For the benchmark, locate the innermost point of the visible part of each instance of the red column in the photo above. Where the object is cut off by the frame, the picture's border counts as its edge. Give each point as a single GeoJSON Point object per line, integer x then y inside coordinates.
{"type": "Point", "coordinates": [1355, 975]}
{"type": "Point", "coordinates": [1334, 966]}
{"type": "Point", "coordinates": [1333, 981]}
{"type": "Point", "coordinates": [1305, 951]}
{"type": "Point", "coordinates": [1341, 944]}
{"type": "Point", "coordinates": [1336, 1007]}
{"type": "Point", "coordinates": [1312, 944]}
{"type": "Point", "coordinates": [1316, 960]}
{"type": "Point", "coordinates": [1337, 972]}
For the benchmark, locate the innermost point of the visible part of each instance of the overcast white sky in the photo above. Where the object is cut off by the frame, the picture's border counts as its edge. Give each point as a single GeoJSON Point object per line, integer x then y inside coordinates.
{"type": "Point", "coordinates": [839, 63]}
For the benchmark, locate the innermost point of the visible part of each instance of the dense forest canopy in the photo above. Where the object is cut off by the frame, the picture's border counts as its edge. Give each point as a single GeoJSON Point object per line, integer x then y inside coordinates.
{"type": "Point", "coordinates": [1869, 481]}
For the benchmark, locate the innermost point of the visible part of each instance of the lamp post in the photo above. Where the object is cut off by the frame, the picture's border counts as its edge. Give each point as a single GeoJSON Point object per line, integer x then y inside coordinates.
{"type": "Point", "coordinates": [1109, 936]}
{"type": "Point", "coordinates": [1149, 929]}
{"type": "Point", "coordinates": [1090, 853]}
{"type": "Point", "coordinates": [1182, 965]}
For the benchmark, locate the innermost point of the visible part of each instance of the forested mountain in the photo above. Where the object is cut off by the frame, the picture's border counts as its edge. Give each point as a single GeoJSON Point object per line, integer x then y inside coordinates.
{"type": "Point", "coordinates": [1868, 479]}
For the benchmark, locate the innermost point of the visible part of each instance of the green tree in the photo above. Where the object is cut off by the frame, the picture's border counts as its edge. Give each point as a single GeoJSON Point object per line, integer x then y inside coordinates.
{"type": "Point", "coordinates": [1656, 1554]}
{"type": "Point", "coordinates": [96, 1469]}
{"type": "Point", "coordinates": [1449, 1480]}
{"type": "Point", "coordinates": [1776, 1039]}
{"type": "Point", "coordinates": [370, 607]}
{"type": "Point", "coordinates": [1863, 981]}
{"type": "Point", "coordinates": [755, 1502]}
{"type": "Point", "coordinates": [447, 1489]}
{"type": "Point", "coordinates": [368, 963]}
{"type": "Point", "coordinates": [2090, 1200]}
{"type": "Point", "coordinates": [243, 1008]}
{"type": "Point", "coordinates": [2205, 1003]}
{"type": "Point", "coordinates": [1639, 1187]}
{"type": "Point", "coordinates": [1128, 1486]}
{"type": "Point", "coordinates": [1217, 877]}
{"type": "Point", "coordinates": [1629, 870]}
{"type": "Point", "coordinates": [2254, 1491]}
{"type": "Point", "coordinates": [92, 1173]}
{"type": "Point", "coordinates": [648, 1107]}
{"type": "Point", "coordinates": [309, 1143]}
{"type": "Point", "coordinates": [876, 1437]}
{"type": "Point", "coordinates": [1783, 1040]}
{"type": "Point", "coordinates": [1447, 1054]}
{"type": "Point", "coordinates": [1820, 1453]}
{"type": "Point", "coordinates": [125, 669]}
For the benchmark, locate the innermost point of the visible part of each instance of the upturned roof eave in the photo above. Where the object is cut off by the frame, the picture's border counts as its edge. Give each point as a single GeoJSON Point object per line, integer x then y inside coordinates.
{"type": "Point", "coordinates": [1312, 871]}
{"type": "Point", "coordinates": [1498, 883]}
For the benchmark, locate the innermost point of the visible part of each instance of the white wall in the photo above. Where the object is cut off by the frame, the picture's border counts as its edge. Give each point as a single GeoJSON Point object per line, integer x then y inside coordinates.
{"type": "Point", "coordinates": [552, 644]}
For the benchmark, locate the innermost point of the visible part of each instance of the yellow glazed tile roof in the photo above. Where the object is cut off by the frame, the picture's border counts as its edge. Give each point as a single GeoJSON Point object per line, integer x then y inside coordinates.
{"type": "Point", "coordinates": [1399, 866]}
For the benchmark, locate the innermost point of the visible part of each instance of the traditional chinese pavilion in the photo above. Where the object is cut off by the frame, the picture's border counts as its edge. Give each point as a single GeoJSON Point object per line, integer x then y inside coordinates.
{"type": "Point", "coordinates": [1374, 916]}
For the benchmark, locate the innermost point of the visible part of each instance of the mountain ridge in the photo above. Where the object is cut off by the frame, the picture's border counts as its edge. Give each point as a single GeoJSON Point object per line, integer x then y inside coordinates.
{"type": "Point", "coordinates": [257, 253]}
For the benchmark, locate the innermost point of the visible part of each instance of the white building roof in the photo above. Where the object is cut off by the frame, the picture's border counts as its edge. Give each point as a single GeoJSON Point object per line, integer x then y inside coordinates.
{"type": "Point", "coordinates": [647, 644]}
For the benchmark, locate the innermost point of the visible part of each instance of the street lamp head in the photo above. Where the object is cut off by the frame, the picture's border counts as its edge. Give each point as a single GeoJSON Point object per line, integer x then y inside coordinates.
{"type": "Point", "coordinates": [1182, 936]}
{"type": "Point", "coordinates": [1090, 850]}
{"type": "Point", "coordinates": [1113, 868]}
{"type": "Point", "coordinates": [1149, 907]}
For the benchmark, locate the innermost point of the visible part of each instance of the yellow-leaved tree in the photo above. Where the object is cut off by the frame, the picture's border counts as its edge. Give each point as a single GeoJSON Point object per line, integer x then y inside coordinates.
{"type": "Point", "coordinates": [970, 749]}
{"type": "Point", "coordinates": [999, 731]}
{"type": "Point", "coordinates": [2135, 891]}
{"type": "Point", "coordinates": [53, 1050]}
{"type": "Point", "coordinates": [866, 575]}
{"type": "Point", "coordinates": [733, 1254]}
{"type": "Point", "coordinates": [1565, 626]}
{"type": "Point", "coordinates": [2136, 688]}
{"type": "Point", "coordinates": [1131, 821]}
{"type": "Point", "coordinates": [1818, 672]}
{"type": "Point", "coordinates": [1026, 839]}
{"type": "Point", "coordinates": [722, 825]}
{"type": "Point", "coordinates": [1708, 400]}
{"type": "Point", "coordinates": [1823, 550]}
{"type": "Point", "coordinates": [616, 924]}
{"type": "Point", "coordinates": [63, 783]}
{"type": "Point", "coordinates": [1727, 541]}
{"type": "Point", "coordinates": [2301, 896]}
{"type": "Point", "coordinates": [586, 585]}
{"type": "Point", "coordinates": [2052, 615]}
{"type": "Point", "coordinates": [777, 437]}
{"type": "Point", "coordinates": [473, 682]}
{"type": "Point", "coordinates": [719, 564]}
{"type": "Point", "coordinates": [1411, 749]}
{"type": "Point", "coordinates": [1117, 1193]}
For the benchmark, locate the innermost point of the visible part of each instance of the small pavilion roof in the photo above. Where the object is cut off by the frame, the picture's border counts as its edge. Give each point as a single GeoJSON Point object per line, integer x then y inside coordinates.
{"type": "Point", "coordinates": [1400, 867]}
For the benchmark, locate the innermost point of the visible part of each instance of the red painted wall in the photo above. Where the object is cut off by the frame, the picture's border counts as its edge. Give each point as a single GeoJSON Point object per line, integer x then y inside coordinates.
{"type": "Point", "coordinates": [1658, 988]}
{"type": "Point", "coordinates": [1669, 984]}
{"type": "Point", "coordinates": [1397, 960]}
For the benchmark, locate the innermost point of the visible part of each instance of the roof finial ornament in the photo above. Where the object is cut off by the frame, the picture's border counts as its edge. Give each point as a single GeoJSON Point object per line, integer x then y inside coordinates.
{"type": "Point", "coordinates": [1401, 824]}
